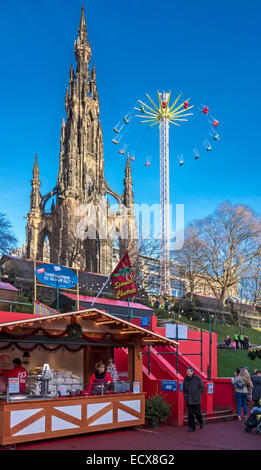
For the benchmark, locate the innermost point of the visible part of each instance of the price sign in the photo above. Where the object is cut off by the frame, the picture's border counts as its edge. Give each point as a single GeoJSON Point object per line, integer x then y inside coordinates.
{"type": "Point", "coordinates": [62, 390]}
{"type": "Point", "coordinates": [14, 386]}
{"type": "Point", "coordinates": [136, 387]}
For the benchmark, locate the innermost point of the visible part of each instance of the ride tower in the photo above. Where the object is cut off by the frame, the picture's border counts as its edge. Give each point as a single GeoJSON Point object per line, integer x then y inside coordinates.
{"type": "Point", "coordinates": [164, 114]}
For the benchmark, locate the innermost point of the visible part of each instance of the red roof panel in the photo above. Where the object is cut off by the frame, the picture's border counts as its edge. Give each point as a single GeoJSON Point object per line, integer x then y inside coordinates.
{"type": "Point", "coordinates": [16, 316]}
{"type": "Point", "coordinates": [115, 303]}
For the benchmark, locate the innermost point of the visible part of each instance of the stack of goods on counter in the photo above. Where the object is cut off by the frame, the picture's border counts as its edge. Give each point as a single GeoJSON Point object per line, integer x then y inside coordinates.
{"type": "Point", "coordinates": [59, 379]}
{"type": "Point", "coordinates": [34, 378]}
{"type": "Point", "coordinates": [65, 380]}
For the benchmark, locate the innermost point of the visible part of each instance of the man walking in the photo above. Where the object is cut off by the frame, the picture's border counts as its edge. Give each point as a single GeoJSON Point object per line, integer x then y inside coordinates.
{"type": "Point", "coordinates": [192, 389]}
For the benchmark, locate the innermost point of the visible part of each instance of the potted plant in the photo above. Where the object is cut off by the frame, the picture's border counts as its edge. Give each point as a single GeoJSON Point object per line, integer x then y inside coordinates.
{"type": "Point", "coordinates": [157, 409]}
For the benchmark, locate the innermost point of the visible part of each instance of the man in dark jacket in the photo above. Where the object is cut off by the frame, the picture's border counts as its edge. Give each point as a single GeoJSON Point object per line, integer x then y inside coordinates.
{"type": "Point", "coordinates": [192, 389]}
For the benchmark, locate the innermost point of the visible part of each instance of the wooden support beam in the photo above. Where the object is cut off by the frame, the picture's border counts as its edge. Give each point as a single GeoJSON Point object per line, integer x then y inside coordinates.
{"type": "Point", "coordinates": [153, 340]}
{"type": "Point", "coordinates": [91, 316]}
{"type": "Point", "coordinates": [127, 332]}
{"type": "Point", "coordinates": [105, 322]}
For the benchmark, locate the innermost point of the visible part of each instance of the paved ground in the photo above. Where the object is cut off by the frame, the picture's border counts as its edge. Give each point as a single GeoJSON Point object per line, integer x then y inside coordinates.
{"type": "Point", "coordinates": [224, 435]}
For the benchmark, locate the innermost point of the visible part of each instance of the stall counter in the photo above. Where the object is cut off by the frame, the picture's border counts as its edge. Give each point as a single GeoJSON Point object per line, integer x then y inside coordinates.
{"type": "Point", "coordinates": [45, 419]}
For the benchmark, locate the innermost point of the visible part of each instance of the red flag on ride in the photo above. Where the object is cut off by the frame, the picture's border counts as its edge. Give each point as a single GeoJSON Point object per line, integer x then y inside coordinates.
{"type": "Point", "coordinates": [122, 279]}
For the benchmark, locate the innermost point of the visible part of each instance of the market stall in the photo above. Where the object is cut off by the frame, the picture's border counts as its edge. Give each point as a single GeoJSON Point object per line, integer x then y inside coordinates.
{"type": "Point", "coordinates": [62, 350]}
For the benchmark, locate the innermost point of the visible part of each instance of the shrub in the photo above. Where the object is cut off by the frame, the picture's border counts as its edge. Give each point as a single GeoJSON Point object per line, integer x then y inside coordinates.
{"type": "Point", "coordinates": [157, 409]}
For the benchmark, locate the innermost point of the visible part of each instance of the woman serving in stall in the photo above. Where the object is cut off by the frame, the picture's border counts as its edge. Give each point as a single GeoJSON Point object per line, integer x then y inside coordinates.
{"type": "Point", "coordinates": [99, 378]}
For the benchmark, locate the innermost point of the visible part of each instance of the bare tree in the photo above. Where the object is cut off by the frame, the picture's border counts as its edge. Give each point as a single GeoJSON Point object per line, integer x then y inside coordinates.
{"type": "Point", "coordinates": [8, 240]}
{"type": "Point", "coordinates": [250, 284]}
{"type": "Point", "coordinates": [147, 264]}
{"type": "Point", "coordinates": [229, 244]}
{"type": "Point", "coordinates": [188, 259]}
{"type": "Point", "coordinates": [73, 250]}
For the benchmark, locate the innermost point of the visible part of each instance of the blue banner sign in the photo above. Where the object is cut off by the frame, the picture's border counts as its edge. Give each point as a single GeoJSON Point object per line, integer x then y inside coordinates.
{"type": "Point", "coordinates": [56, 276]}
{"type": "Point", "coordinates": [210, 389]}
{"type": "Point", "coordinates": [169, 385]}
{"type": "Point", "coordinates": [144, 321]}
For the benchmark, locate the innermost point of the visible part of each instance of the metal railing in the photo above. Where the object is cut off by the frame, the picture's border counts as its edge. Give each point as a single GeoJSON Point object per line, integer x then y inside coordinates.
{"type": "Point", "coordinates": [11, 302]}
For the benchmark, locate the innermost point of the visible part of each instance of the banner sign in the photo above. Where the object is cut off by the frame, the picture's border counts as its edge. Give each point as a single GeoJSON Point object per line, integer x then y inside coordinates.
{"type": "Point", "coordinates": [175, 331]}
{"type": "Point", "coordinates": [122, 279]}
{"type": "Point", "coordinates": [169, 385]}
{"type": "Point", "coordinates": [144, 321]}
{"type": "Point", "coordinates": [56, 276]}
{"type": "Point", "coordinates": [210, 389]}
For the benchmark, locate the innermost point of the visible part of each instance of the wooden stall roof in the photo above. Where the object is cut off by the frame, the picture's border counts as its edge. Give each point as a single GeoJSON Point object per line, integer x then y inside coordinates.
{"type": "Point", "coordinates": [101, 318]}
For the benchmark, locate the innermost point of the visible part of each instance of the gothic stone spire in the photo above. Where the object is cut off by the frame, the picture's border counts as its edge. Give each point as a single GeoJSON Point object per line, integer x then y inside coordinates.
{"type": "Point", "coordinates": [35, 197]}
{"type": "Point", "coordinates": [81, 153]}
{"type": "Point", "coordinates": [128, 196]}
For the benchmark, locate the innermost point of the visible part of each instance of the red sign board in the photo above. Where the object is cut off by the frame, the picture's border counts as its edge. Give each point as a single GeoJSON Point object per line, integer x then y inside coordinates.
{"type": "Point", "coordinates": [122, 279]}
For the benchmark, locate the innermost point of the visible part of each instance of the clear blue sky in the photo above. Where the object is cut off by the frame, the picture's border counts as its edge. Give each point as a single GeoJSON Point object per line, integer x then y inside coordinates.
{"type": "Point", "coordinates": [209, 50]}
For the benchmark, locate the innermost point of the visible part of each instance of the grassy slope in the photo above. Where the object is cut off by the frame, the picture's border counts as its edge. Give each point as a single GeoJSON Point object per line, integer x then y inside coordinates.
{"type": "Point", "coordinates": [229, 361]}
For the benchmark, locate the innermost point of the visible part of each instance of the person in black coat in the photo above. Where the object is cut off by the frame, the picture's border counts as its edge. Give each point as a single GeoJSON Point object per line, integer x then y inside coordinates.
{"type": "Point", "coordinates": [256, 390]}
{"type": "Point", "coordinates": [192, 389]}
{"type": "Point", "coordinates": [246, 342]}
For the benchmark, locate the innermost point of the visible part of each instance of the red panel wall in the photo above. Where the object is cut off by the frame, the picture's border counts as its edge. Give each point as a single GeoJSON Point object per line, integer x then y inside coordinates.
{"type": "Point", "coordinates": [189, 347]}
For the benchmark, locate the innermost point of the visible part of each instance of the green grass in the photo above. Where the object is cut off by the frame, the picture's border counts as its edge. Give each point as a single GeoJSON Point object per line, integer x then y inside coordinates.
{"type": "Point", "coordinates": [228, 361]}
{"type": "Point", "coordinates": [222, 331]}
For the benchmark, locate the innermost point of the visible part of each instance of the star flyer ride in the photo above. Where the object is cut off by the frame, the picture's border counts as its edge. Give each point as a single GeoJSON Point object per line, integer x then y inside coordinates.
{"type": "Point", "coordinates": [164, 114]}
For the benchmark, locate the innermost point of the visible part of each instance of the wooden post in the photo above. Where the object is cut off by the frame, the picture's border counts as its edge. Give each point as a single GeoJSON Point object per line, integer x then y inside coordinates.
{"type": "Point", "coordinates": [87, 366]}
{"type": "Point", "coordinates": [138, 363]}
{"type": "Point", "coordinates": [131, 363]}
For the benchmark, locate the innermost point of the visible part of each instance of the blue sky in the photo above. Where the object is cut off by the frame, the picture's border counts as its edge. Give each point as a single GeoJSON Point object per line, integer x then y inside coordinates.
{"type": "Point", "coordinates": [209, 50]}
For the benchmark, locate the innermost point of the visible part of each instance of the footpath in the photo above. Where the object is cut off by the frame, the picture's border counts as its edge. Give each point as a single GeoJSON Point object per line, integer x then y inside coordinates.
{"type": "Point", "coordinates": [224, 435]}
